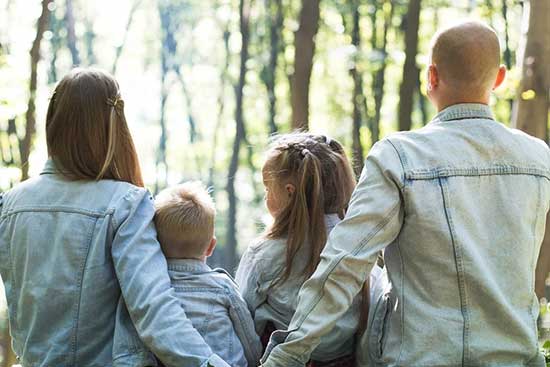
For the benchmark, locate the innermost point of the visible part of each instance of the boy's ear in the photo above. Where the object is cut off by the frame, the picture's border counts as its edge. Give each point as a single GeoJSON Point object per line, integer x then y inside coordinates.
{"type": "Point", "coordinates": [500, 76]}
{"type": "Point", "coordinates": [211, 247]}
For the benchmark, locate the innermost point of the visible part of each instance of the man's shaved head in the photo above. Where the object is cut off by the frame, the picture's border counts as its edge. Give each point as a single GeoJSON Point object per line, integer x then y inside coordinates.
{"type": "Point", "coordinates": [467, 56]}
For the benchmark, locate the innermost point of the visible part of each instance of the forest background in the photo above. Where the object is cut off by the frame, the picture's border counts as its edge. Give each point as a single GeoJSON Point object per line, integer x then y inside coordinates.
{"type": "Point", "coordinates": [206, 83]}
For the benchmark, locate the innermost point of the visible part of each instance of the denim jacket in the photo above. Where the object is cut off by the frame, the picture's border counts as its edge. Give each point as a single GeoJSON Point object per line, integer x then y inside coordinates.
{"type": "Point", "coordinates": [261, 265]}
{"type": "Point", "coordinates": [460, 207]}
{"type": "Point", "coordinates": [212, 302]}
{"type": "Point", "coordinates": [68, 250]}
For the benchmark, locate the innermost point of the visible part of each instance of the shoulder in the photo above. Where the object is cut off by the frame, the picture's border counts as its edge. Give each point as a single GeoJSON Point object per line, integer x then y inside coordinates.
{"type": "Point", "coordinates": [264, 247]}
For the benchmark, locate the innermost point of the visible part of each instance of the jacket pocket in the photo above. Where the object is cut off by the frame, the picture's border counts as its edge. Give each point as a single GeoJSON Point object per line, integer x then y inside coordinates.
{"type": "Point", "coordinates": [379, 327]}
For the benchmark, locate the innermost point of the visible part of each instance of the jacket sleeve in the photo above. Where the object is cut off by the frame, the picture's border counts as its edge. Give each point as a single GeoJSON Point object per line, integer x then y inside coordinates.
{"type": "Point", "coordinates": [373, 221]}
{"type": "Point", "coordinates": [142, 272]}
{"type": "Point", "coordinates": [244, 327]}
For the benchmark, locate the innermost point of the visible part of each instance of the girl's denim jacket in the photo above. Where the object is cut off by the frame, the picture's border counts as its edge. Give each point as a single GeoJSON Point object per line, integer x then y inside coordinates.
{"type": "Point", "coordinates": [68, 250]}
{"type": "Point", "coordinates": [460, 207]}
{"type": "Point", "coordinates": [260, 267]}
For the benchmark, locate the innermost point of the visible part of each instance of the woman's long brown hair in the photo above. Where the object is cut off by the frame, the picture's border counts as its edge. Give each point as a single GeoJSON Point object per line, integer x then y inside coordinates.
{"type": "Point", "coordinates": [324, 181]}
{"type": "Point", "coordinates": [86, 130]}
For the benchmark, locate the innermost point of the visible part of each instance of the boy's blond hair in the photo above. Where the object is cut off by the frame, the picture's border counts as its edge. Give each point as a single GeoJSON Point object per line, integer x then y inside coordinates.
{"type": "Point", "coordinates": [184, 218]}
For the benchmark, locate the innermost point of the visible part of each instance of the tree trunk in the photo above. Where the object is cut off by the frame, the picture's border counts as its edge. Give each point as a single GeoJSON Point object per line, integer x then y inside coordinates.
{"type": "Point", "coordinates": [275, 19]}
{"type": "Point", "coordinates": [533, 102]}
{"type": "Point", "coordinates": [379, 77]}
{"type": "Point", "coordinates": [120, 47]}
{"type": "Point", "coordinates": [240, 136]}
{"type": "Point", "coordinates": [410, 70]}
{"type": "Point", "coordinates": [25, 145]}
{"type": "Point", "coordinates": [304, 49]}
{"type": "Point", "coordinates": [221, 107]}
{"type": "Point", "coordinates": [358, 98]}
{"type": "Point", "coordinates": [71, 34]}
{"type": "Point", "coordinates": [507, 52]}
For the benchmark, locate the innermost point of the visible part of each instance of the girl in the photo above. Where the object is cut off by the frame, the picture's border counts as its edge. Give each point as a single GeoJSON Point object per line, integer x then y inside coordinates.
{"type": "Point", "coordinates": [308, 182]}
{"type": "Point", "coordinates": [75, 238]}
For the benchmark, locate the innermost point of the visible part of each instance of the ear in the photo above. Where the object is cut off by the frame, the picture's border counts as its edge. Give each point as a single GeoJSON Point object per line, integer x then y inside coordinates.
{"type": "Point", "coordinates": [433, 77]}
{"type": "Point", "coordinates": [500, 77]}
{"type": "Point", "coordinates": [211, 247]}
{"type": "Point", "coordinates": [290, 189]}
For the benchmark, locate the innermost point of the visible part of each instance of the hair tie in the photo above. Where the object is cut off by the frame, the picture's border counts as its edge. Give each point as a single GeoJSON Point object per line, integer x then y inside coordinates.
{"type": "Point", "coordinates": [328, 140]}
{"type": "Point", "coordinates": [305, 152]}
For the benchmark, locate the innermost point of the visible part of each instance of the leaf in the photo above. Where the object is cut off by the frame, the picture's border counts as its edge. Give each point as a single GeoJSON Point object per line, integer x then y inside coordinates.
{"type": "Point", "coordinates": [546, 345]}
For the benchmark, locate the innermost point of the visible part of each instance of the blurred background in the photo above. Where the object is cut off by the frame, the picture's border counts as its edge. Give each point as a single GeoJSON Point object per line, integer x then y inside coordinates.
{"type": "Point", "coordinates": [207, 82]}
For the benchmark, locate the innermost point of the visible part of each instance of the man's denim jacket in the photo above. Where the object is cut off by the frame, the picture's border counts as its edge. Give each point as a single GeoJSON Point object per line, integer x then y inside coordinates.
{"type": "Point", "coordinates": [260, 267]}
{"type": "Point", "coordinates": [212, 302]}
{"type": "Point", "coordinates": [460, 207]}
{"type": "Point", "coordinates": [68, 250]}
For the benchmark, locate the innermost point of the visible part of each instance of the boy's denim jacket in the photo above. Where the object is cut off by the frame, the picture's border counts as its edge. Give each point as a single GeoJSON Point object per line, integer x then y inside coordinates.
{"type": "Point", "coordinates": [68, 250]}
{"type": "Point", "coordinates": [460, 207]}
{"type": "Point", "coordinates": [260, 267]}
{"type": "Point", "coordinates": [212, 302]}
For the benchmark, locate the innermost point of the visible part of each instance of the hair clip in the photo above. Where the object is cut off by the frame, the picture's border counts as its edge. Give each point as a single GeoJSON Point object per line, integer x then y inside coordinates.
{"type": "Point", "coordinates": [328, 140]}
{"type": "Point", "coordinates": [113, 102]}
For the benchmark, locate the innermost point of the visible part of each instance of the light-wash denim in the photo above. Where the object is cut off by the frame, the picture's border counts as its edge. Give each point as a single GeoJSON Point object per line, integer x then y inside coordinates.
{"type": "Point", "coordinates": [68, 250]}
{"type": "Point", "coordinates": [213, 303]}
{"type": "Point", "coordinates": [460, 207]}
{"type": "Point", "coordinates": [260, 267]}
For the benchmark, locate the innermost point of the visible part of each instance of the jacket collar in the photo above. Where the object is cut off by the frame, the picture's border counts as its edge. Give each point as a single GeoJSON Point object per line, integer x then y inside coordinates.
{"type": "Point", "coordinates": [50, 167]}
{"type": "Point", "coordinates": [464, 111]}
{"type": "Point", "coordinates": [188, 265]}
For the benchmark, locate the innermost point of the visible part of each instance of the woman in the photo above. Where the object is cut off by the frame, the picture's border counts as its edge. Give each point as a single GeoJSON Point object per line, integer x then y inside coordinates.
{"type": "Point", "coordinates": [80, 235]}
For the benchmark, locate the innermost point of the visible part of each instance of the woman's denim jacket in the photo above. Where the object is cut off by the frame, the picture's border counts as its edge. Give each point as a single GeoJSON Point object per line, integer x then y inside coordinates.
{"type": "Point", "coordinates": [260, 267]}
{"type": "Point", "coordinates": [68, 249]}
{"type": "Point", "coordinates": [460, 207]}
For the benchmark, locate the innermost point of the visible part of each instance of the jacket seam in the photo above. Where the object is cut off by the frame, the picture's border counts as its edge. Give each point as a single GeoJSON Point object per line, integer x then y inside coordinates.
{"type": "Point", "coordinates": [460, 275]}
{"type": "Point", "coordinates": [442, 172]}
{"type": "Point", "coordinates": [402, 161]}
{"type": "Point", "coordinates": [80, 281]}
{"type": "Point", "coordinates": [58, 209]}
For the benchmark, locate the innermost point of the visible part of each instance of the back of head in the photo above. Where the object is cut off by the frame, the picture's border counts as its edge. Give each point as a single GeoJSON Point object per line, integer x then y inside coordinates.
{"type": "Point", "coordinates": [467, 56]}
{"type": "Point", "coordinates": [324, 182]}
{"type": "Point", "coordinates": [86, 130]}
{"type": "Point", "coordinates": [184, 218]}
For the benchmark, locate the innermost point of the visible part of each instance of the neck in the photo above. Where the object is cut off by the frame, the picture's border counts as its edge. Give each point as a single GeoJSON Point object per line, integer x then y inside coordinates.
{"type": "Point", "coordinates": [445, 102]}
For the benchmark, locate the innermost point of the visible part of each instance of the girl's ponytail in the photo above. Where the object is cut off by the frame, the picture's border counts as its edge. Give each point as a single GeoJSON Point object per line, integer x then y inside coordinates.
{"type": "Point", "coordinates": [323, 179]}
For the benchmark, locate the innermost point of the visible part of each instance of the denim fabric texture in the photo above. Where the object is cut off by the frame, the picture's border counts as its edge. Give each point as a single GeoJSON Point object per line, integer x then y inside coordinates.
{"type": "Point", "coordinates": [68, 251]}
{"type": "Point", "coordinates": [460, 208]}
{"type": "Point", "coordinates": [260, 267]}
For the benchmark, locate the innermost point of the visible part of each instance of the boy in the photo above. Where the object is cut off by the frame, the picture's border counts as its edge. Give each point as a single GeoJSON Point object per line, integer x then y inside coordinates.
{"type": "Point", "coordinates": [460, 207]}
{"type": "Point", "coordinates": [184, 218]}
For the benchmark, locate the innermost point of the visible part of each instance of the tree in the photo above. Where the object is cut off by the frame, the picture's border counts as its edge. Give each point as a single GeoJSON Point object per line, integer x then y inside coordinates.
{"type": "Point", "coordinates": [274, 9]}
{"type": "Point", "coordinates": [71, 34]}
{"type": "Point", "coordinates": [410, 69]}
{"type": "Point", "coordinates": [120, 47]}
{"type": "Point", "coordinates": [240, 136]}
{"type": "Point", "coordinates": [304, 50]}
{"type": "Point", "coordinates": [359, 102]}
{"type": "Point", "coordinates": [533, 101]}
{"type": "Point", "coordinates": [379, 72]}
{"type": "Point", "coordinates": [25, 145]}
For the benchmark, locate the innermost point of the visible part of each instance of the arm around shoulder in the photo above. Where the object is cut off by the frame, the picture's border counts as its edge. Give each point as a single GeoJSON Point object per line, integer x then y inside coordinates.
{"type": "Point", "coordinates": [142, 272]}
